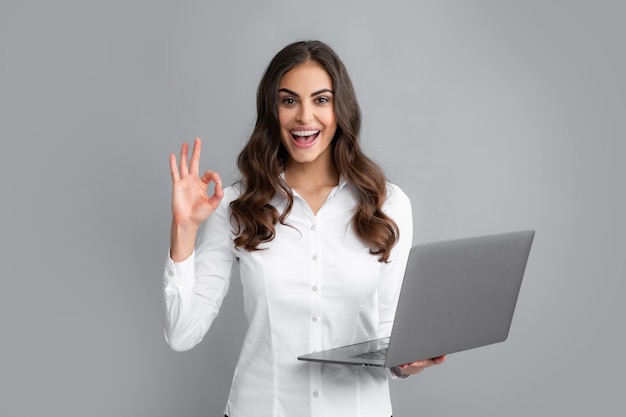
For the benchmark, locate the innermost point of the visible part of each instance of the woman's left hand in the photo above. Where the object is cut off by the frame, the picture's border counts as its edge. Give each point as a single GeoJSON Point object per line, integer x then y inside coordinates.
{"type": "Point", "coordinates": [417, 367]}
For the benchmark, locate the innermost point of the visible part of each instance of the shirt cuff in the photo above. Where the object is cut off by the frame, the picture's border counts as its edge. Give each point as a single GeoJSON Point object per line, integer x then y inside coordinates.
{"type": "Point", "coordinates": [179, 271]}
{"type": "Point", "coordinates": [396, 373]}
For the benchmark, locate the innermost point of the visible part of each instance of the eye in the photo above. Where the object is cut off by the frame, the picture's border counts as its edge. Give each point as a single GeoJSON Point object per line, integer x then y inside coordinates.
{"type": "Point", "coordinates": [288, 101]}
{"type": "Point", "coordinates": [322, 99]}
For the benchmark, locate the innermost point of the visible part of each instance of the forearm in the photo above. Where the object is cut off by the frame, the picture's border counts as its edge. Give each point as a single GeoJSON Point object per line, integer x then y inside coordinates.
{"type": "Point", "coordinates": [183, 328]}
{"type": "Point", "coordinates": [191, 302]}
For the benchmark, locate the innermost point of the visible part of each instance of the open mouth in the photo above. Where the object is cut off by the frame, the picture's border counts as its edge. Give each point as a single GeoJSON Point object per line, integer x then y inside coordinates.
{"type": "Point", "coordinates": [304, 137]}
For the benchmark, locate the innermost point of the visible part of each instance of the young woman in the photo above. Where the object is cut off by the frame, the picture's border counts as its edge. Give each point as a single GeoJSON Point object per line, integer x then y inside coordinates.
{"type": "Point", "coordinates": [321, 239]}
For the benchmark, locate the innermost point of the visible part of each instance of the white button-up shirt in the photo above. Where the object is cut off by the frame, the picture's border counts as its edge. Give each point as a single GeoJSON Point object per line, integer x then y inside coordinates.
{"type": "Point", "coordinates": [314, 287]}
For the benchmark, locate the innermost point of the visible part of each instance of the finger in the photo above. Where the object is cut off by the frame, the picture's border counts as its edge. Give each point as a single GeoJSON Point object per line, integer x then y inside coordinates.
{"type": "Point", "coordinates": [174, 168]}
{"type": "Point", "coordinates": [218, 191]}
{"type": "Point", "coordinates": [215, 177]}
{"type": "Point", "coordinates": [416, 364]}
{"type": "Point", "coordinates": [412, 368]}
{"type": "Point", "coordinates": [183, 159]}
{"type": "Point", "coordinates": [209, 176]}
{"type": "Point", "coordinates": [194, 165]}
{"type": "Point", "coordinates": [439, 360]}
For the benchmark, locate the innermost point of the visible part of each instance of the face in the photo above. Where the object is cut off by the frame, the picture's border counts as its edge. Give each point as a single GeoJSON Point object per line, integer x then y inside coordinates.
{"type": "Point", "coordinates": [306, 114]}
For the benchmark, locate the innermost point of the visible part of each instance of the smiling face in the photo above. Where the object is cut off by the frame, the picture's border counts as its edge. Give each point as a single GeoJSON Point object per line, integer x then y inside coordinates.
{"type": "Point", "coordinates": [306, 114]}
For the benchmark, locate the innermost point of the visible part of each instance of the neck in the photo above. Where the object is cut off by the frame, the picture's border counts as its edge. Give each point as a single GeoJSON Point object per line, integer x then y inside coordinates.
{"type": "Point", "coordinates": [311, 175]}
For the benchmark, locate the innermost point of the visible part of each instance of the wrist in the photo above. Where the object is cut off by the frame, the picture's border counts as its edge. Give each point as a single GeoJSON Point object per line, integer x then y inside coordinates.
{"type": "Point", "coordinates": [182, 241]}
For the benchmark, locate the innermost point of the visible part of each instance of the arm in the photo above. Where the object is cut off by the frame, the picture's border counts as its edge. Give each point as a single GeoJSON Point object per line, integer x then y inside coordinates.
{"type": "Point", "coordinates": [399, 208]}
{"type": "Point", "coordinates": [195, 283]}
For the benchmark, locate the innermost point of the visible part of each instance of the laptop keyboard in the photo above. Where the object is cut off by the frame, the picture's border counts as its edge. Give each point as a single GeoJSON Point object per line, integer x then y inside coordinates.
{"type": "Point", "coordinates": [374, 354]}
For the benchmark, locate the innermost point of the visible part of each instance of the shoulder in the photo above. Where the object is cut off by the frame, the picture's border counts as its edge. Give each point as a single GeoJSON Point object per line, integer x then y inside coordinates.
{"type": "Point", "coordinates": [396, 197]}
{"type": "Point", "coordinates": [223, 211]}
{"type": "Point", "coordinates": [232, 192]}
{"type": "Point", "coordinates": [398, 206]}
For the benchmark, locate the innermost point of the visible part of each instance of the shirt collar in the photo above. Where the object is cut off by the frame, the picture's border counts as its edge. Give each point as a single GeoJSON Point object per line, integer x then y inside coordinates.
{"type": "Point", "coordinates": [342, 180]}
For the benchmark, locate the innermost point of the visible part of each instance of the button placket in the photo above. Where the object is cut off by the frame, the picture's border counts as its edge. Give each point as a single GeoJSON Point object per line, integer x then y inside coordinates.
{"type": "Point", "coordinates": [315, 299]}
{"type": "Point", "coordinates": [315, 322]}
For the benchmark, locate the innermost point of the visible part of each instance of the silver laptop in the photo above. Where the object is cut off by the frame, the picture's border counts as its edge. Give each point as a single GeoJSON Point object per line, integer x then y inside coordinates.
{"type": "Point", "coordinates": [456, 295]}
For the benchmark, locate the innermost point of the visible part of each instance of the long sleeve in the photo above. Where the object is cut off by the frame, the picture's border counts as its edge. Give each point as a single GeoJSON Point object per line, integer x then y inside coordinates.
{"type": "Point", "coordinates": [315, 286]}
{"type": "Point", "coordinates": [194, 289]}
{"type": "Point", "coordinates": [398, 207]}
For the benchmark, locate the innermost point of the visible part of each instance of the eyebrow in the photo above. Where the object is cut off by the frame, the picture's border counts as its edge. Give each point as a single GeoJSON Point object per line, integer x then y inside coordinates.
{"type": "Point", "coordinates": [293, 93]}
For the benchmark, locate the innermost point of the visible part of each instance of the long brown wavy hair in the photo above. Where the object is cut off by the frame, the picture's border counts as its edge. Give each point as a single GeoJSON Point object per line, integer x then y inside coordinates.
{"type": "Point", "coordinates": [263, 158]}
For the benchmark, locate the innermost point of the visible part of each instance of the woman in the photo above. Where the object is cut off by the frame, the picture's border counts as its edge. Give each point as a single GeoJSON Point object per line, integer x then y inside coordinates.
{"type": "Point", "coordinates": [321, 239]}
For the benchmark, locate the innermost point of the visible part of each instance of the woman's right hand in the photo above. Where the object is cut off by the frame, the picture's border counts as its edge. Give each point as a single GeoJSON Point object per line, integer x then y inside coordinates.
{"type": "Point", "coordinates": [191, 204]}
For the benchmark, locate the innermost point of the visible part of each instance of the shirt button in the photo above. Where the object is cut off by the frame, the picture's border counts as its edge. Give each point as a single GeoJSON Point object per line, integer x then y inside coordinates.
{"type": "Point", "coordinates": [170, 273]}
{"type": "Point", "coordinates": [316, 394]}
{"type": "Point", "coordinates": [314, 257]}
{"type": "Point", "coordinates": [313, 227]}
{"type": "Point", "coordinates": [314, 318]}
{"type": "Point", "coordinates": [314, 288]}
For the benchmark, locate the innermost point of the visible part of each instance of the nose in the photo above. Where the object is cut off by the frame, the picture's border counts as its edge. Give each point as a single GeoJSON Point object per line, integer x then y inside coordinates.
{"type": "Point", "coordinates": [305, 113]}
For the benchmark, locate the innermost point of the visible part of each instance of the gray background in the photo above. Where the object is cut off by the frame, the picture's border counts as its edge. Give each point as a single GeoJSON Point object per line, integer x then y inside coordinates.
{"type": "Point", "coordinates": [491, 115]}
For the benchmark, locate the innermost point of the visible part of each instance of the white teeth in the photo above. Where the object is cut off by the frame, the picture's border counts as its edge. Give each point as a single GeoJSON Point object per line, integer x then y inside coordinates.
{"type": "Point", "coordinates": [305, 132]}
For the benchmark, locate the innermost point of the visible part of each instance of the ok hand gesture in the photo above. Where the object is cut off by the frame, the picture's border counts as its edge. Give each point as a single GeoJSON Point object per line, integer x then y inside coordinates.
{"type": "Point", "coordinates": [191, 204]}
